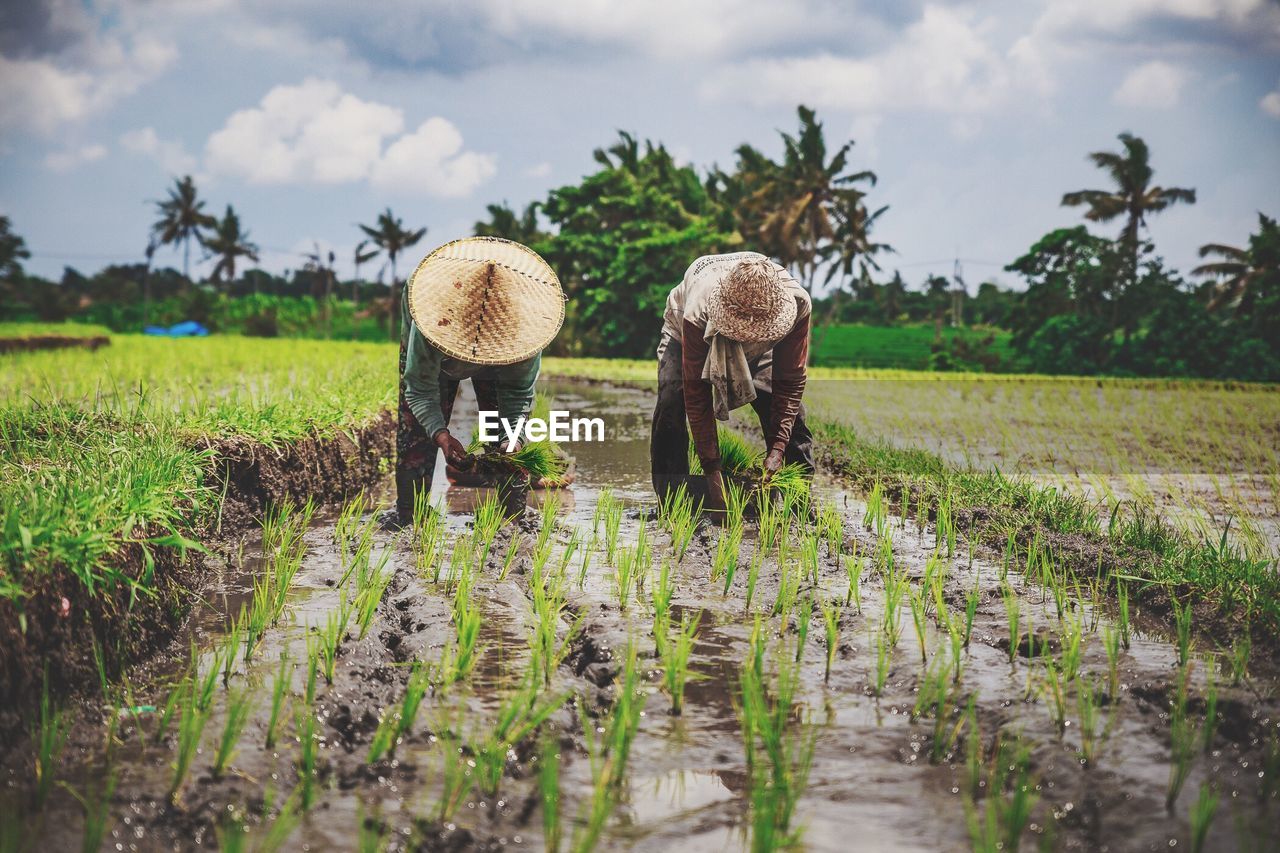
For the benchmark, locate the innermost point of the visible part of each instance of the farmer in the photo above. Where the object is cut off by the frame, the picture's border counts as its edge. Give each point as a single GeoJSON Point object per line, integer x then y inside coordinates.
{"type": "Point", "coordinates": [735, 332]}
{"type": "Point", "coordinates": [482, 309]}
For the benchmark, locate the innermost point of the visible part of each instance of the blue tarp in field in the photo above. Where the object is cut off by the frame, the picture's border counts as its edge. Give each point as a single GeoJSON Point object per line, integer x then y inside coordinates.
{"type": "Point", "coordinates": [186, 329]}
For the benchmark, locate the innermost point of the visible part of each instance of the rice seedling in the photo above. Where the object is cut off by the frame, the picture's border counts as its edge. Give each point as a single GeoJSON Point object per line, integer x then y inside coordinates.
{"type": "Point", "coordinates": [1210, 711]}
{"type": "Point", "coordinates": [679, 516]}
{"type": "Point", "coordinates": [1003, 816]}
{"type": "Point", "coordinates": [675, 653]}
{"type": "Point", "coordinates": [920, 620]}
{"type": "Point", "coordinates": [323, 645]}
{"type": "Point", "coordinates": [788, 589]}
{"type": "Point", "coordinates": [460, 657]}
{"type": "Point", "coordinates": [1238, 659]}
{"type": "Point", "coordinates": [945, 525]}
{"type": "Point", "coordinates": [1071, 642]}
{"type": "Point", "coordinates": [1183, 740]}
{"type": "Point", "coordinates": [853, 568]}
{"type": "Point", "coordinates": [519, 717]}
{"type": "Point", "coordinates": [1111, 645]}
{"type": "Point", "coordinates": [612, 525]}
{"type": "Point", "coordinates": [626, 574]}
{"type": "Point", "coordinates": [1182, 619]}
{"type": "Point", "coordinates": [429, 535]}
{"type": "Point", "coordinates": [49, 737]}
{"type": "Point", "coordinates": [238, 707]}
{"type": "Point", "coordinates": [877, 515]}
{"type": "Point", "coordinates": [778, 757]}
{"type": "Point", "coordinates": [831, 626]}
{"type": "Point", "coordinates": [370, 593]}
{"type": "Point", "coordinates": [230, 648]}
{"type": "Point", "coordinates": [970, 610]}
{"type": "Point", "coordinates": [753, 573]}
{"type": "Point", "coordinates": [549, 793]}
{"type": "Point", "coordinates": [802, 626]}
{"type": "Point", "coordinates": [1053, 687]}
{"type": "Point", "coordinates": [809, 557]}
{"type": "Point", "coordinates": [608, 752]}
{"type": "Point", "coordinates": [95, 803]}
{"type": "Point", "coordinates": [831, 528]}
{"type": "Point", "coordinates": [397, 721]}
{"type": "Point", "coordinates": [1201, 816]}
{"type": "Point", "coordinates": [585, 564]}
{"type": "Point", "coordinates": [190, 727]}
{"type": "Point", "coordinates": [279, 688]}
{"type": "Point", "coordinates": [1089, 713]}
{"type": "Point", "coordinates": [895, 587]}
{"type": "Point", "coordinates": [456, 780]}
{"type": "Point", "coordinates": [955, 635]}
{"type": "Point", "coordinates": [1122, 604]}
{"type": "Point", "coordinates": [938, 696]}
{"type": "Point", "coordinates": [1013, 610]}
{"type": "Point", "coordinates": [660, 594]}
{"type": "Point", "coordinates": [308, 748]}
{"type": "Point", "coordinates": [728, 550]}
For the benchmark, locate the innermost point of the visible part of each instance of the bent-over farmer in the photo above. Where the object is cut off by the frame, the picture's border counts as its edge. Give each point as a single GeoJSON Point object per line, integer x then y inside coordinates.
{"type": "Point", "coordinates": [735, 332]}
{"type": "Point", "coordinates": [483, 309]}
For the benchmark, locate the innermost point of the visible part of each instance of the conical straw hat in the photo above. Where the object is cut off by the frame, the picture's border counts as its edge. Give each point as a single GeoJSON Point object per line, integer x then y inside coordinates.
{"type": "Point", "coordinates": [486, 300]}
{"type": "Point", "coordinates": [751, 303]}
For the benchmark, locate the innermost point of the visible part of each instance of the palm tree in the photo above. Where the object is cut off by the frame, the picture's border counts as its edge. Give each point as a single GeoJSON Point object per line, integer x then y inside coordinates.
{"type": "Point", "coordinates": [1240, 272]}
{"type": "Point", "coordinates": [13, 251]}
{"type": "Point", "coordinates": [182, 217]}
{"type": "Point", "coordinates": [228, 243]}
{"type": "Point", "coordinates": [391, 237]}
{"type": "Point", "coordinates": [800, 195]}
{"type": "Point", "coordinates": [623, 155]}
{"type": "Point", "coordinates": [1133, 196]}
{"type": "Point", "coordinates": [362, 255]}
{"type": "Point", "coordinates": [851, 245]}
{"type": "Point", "coordinates": [505, 222]}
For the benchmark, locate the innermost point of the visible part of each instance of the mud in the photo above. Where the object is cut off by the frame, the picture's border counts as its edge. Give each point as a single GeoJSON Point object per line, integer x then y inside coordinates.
{"type": "Point", "coordinates": [39, 342]}
{"type": "Point", "coordinates": [872, 784]}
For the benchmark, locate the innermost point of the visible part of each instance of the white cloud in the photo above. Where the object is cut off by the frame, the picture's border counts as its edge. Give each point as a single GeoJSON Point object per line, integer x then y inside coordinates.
{"type": "Point", "coordinates": [1270, 103]}
{"type": "Point", "coordinates": [68, 159]}
{"type": "Point", "coordinates": [1153, 84]}
{"type": "Point", "coordinates": [942, 62]}
{"type": "Point", "coordinates": [171, 155]}
{"type": "Point", "coordinates": [42, 94]}
{"type": "Point", "coordinates": [431, 160]}
{"type": "Point", "coordinates": [315, 133]}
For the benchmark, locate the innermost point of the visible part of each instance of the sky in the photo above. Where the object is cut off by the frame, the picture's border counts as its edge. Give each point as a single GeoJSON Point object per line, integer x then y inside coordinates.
{"type": "Point", "coordinates": [311, 117]}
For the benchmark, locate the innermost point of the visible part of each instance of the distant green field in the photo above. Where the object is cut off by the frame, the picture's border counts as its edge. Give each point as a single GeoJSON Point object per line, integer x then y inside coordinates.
{"type": "Point", "coordinates": [901, 347]}
{"type": "Point", "coordinates": [36, 330]}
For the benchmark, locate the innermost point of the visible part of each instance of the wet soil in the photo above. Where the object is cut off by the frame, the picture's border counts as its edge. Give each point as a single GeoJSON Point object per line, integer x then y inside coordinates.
{"type": "Point", "coordinates": [39, 342]}
{"type": "Point", "coordinates": [872, 784]}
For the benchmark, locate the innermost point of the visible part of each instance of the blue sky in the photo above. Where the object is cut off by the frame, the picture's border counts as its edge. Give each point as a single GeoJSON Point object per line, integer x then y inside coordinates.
{"type": "Point", "coordinates": [312, 116]}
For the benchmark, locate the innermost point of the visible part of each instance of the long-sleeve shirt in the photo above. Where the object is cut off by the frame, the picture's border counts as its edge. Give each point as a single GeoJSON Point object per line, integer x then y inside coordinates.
{"type": "Point", "coordinates": [790, 357]}
{"type": "Point", "coordinates": [425, 367]}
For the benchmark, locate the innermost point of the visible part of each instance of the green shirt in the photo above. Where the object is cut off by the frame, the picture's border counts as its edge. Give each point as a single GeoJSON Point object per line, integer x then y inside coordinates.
{"type": "Point", "coordinates": [425, 367]}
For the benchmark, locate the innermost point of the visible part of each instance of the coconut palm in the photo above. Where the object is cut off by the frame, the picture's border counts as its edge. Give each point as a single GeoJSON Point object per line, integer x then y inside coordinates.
{"type": "Point", "coordinates": [392, 238]}
{"type": "Point", "coordinates": [361, 256]}
{"type": "Point", "coordinates": [182, 217]}
{"type": "Point", "coordinates": [13, 250]}
{"type": "Point", "coordinates": [800, 196]}
{"type": "Point", "coordinates": [505, 222]}
{"type": "Point", "coordinates": [1240, 272]}
{"type": "Point", "coordinates": [852, 242]}
{"type": "Point", "coordinates": [228, 244]}
{"type": "Point", "coordinates": [1133, 196]}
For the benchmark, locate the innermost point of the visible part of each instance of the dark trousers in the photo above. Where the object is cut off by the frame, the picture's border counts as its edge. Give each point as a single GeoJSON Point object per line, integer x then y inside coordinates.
{"type": "Point", "coordinates": [669, 439]}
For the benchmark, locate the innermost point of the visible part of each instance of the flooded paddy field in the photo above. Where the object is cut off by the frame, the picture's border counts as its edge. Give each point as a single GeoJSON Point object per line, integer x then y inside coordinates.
{"type": "Point", "coordinates": [845, 680]}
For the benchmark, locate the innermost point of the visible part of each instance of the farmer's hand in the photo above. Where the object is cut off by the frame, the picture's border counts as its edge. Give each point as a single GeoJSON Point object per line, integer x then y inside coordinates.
{"type": "Point", "coordinates": [454, 453]}
{"type": "Point", "coordinates": [715, 492]}
{"type": "Point", "coordinates": [772, 463]}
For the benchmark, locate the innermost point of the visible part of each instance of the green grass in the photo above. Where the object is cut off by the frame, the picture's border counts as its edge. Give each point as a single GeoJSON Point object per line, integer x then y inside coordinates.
{"type": "Point", "coordinates": [100, 450]}
{"type": "Point", "coordinates": [901, 347]}
{"type": "Point", "coordinates": [66, 330]}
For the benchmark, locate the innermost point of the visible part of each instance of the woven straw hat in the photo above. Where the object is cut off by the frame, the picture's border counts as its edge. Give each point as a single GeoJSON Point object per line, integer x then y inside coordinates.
{"type": "Point", "coordinates": [486, 300]}
{"type": "Point", "coordinates": [751, 304]}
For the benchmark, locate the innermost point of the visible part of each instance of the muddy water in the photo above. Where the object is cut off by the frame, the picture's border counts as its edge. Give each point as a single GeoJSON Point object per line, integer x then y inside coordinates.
{"type": "Point", "coordinates": [872, 785]}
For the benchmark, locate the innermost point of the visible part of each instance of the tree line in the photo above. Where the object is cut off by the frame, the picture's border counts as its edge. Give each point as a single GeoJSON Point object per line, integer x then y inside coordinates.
{"type": "Point", "coordinates": [622, 236]}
